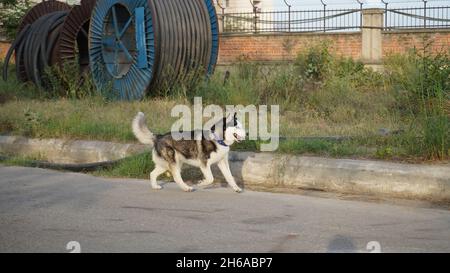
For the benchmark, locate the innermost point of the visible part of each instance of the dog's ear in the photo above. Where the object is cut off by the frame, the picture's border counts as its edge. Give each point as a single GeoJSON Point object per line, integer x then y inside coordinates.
{"type": "Point", "coordinates": [230, 117]}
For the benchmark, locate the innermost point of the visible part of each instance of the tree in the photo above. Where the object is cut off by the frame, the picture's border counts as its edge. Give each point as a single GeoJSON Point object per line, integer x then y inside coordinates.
{"type": "Point", "coordinates": [11, 12]}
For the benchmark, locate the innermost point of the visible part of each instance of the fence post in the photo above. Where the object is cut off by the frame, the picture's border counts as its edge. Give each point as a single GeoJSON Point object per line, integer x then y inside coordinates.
{"type": "Point", "coordinates": [255, 17]}
{"type": "Point", "coordinates": [424, 13]}
{"type": "Point", "coordinates": [371, 51]}
{"type": "Point", "coordinates": [289, 15]}
{"type": "Point", "coordinates": [324, 15]}
{"type": "Point", "coordinates": [361, 13]}
{"type": "Point", "coordinates": [385, 13]}
{"type": "Point", "coordinates": [289, 18]}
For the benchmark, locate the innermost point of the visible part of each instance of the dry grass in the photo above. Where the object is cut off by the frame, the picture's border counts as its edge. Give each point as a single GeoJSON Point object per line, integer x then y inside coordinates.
{"type": "Point", "coordinates": [93, 118]}
{"type": "Point", "coordinates": [90, 118]}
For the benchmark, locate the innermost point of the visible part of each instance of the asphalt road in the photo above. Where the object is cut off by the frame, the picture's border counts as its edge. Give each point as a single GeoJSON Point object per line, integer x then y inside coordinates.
{"type": "Point", "coordinates": [43, 210]}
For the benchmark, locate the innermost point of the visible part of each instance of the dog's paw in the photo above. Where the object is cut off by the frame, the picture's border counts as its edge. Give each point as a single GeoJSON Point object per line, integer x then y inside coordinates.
{"type": "Point", "coordinates": [157, 187]}
{"type": "Point", "coordinates": [188, 189]}
{"type": "Point", "coordinates": [237, 189]}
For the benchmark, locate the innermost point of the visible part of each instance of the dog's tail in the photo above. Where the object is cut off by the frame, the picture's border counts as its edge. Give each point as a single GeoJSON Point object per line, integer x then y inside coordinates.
{"type": "Point", "coordinates": [141, 130]}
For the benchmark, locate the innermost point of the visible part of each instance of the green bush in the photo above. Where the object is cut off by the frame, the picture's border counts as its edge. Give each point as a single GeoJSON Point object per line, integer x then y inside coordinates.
{"type": "Point", "coordinates": [317, 64]}
{"type": "Point", "coordinates": [421, 84]}
{"type": "Point", "coordinates": [343, 89]}
{"type": "Point", "coordinates": [417, 76]}
{"type": "Point", "coordinates": [282, 86]}
{"type": "Point", "coordinates": [247, 70]}
{"type": "Point", "coordinates": [314, 63]}
{"type": "Point", "coordinates": [68, 81]}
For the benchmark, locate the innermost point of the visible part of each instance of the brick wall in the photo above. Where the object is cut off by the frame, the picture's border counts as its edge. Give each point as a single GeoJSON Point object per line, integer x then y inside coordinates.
{"type": "Point", "coordinates": [284, 47]}
{"type": "Point", "coordinates": [401, 41]}
{"type": "Point", "coordinates": [4, 47]}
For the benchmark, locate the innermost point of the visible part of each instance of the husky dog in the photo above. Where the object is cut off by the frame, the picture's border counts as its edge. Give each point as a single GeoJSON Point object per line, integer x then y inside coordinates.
{"type": "Point", "coordinates": [201, 151]}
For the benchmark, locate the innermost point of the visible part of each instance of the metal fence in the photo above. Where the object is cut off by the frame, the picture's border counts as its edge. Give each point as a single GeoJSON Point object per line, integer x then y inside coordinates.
{"type": "Point", "coordinates": [415, 18]}
{"type": "Point", "coordinates": [293, 21]}
{"type": "Point", "coordinates": [332, 20]}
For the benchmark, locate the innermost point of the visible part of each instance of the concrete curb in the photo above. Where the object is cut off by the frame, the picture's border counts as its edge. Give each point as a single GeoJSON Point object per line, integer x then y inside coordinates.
{"type": "Point", "coordinates": [384, 179]}
{"type": "Point", "coordinates": [349, 176]}
{"type": "Point", "coordinates": [68, 151]}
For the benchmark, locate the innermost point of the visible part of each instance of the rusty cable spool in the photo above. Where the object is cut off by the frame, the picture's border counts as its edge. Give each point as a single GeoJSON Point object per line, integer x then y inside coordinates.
{"type": "Point", "coordinates": [30, 17]}
{"type": "Point", "coordinates": [41, 9]}
{"type": "Point", "coordinates": [73, 42]}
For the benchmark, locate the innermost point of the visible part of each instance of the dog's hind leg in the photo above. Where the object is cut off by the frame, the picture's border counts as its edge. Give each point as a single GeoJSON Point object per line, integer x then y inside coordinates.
{"type": "Point", "coordinates": [154, 175]}
{"type": "Point", "coordinates": [175, 169]}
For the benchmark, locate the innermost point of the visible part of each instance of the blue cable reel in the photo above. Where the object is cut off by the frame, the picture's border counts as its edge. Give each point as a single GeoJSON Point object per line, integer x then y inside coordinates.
{"type": "Point", "coordinates": [122, 48]}
{"type": "Point", "coordinates": [215, 35]}
{"type": "Point", "coordinates": [133, 43]}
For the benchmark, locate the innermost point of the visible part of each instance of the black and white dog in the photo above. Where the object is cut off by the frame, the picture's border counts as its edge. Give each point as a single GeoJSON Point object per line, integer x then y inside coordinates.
{"type": "Point", "coordinates": [212, 147]}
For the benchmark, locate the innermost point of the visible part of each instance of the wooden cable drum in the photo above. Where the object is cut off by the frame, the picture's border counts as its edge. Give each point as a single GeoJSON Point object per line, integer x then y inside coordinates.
{"type": "Point", "coordinates": [73, 41]}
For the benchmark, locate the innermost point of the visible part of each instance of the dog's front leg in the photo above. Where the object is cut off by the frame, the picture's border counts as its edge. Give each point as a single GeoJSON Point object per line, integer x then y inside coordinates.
{"type": "Point", "coordinates": [209, 178]}
{"type": "Point", "coordinates": [224, 167]}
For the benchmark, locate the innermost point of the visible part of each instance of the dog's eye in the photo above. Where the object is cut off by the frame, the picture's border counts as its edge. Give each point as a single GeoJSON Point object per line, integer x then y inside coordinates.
{"type": "Point", "coordinates": [235, 135]}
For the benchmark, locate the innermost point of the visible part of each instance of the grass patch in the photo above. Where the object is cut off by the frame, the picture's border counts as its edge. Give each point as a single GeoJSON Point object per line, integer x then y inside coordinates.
{"type": "Point", "coordinates": [89, 118]}
{"type": "Point", "coordinates": [23, 161]}
{"type": "Point", "coordinates": [138, 166]}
